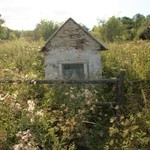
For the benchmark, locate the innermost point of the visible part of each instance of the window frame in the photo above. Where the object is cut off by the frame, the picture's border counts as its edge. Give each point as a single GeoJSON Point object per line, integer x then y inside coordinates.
{"type": "Point", "coordinates": [85, 69]}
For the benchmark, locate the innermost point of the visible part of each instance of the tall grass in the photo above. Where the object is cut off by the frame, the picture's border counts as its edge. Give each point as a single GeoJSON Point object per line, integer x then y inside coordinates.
{"type": "Point", "coordinates": [132, 56]}
{"type": "Point", "coordinates": [20, 59]}
{"type": "Point", "coordinates": [58, 117]}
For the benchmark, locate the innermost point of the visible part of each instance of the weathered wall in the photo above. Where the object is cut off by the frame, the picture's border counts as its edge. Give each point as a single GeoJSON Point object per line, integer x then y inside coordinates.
{"type": "Point", "coordinates": [72, 36]}
{"type": "Point", "coordinates": [71, 44]}
{"type": "Point", "coordinates": [54, 59]}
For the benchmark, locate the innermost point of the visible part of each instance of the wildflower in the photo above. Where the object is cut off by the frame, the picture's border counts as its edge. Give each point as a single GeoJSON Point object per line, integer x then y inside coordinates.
{"type": "Point", "coordinates": [32, 119]}
{"type": "Point", "coordinates": [6, 70]}
{"type": "Point", "coordinates": [26, 141]}
{"type": "Point", "coordinates": [3, 98]}
{"type": "Point", "coordinates": [18, 146]}
{"type": "Point", "coordinates": [15, 95]}
{"type": "Point", "coordinates": [31, 106]}
{"type": "Point", "coordinates": [40, 113]}
{"type": "Point", "coordinates": [72, 96]}
{"type": "Point", "coordinates": [19, 134]}
{"type": "Point", "coordinates": [18, 106]}
{"type": "Point", "coordinates": [88, 94]}
{"type": "Point", "coordinates": [33, 81]}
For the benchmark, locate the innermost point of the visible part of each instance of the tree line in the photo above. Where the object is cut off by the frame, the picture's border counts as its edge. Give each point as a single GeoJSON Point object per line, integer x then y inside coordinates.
{"type": "Point", "coordinates": [110, 30]}
{"type": "Point", "coordinates": [123, 29]}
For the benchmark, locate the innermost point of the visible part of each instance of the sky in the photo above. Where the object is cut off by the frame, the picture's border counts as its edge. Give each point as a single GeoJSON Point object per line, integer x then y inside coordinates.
{"type": "Point", "coordinates": [26, 14]}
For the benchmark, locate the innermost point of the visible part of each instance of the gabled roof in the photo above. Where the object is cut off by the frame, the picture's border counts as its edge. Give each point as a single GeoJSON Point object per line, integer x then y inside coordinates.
{"type": "Point", "coordinates": [102, 47]}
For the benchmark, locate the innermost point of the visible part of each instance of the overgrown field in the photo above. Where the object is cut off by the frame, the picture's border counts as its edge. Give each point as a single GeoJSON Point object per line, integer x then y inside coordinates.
{"type": "Point", "coordinates": [132, 56]}
{"type": "Point", "coordinates": [60, 117]}
{"type": "Point", "coordinates": [20, 59]}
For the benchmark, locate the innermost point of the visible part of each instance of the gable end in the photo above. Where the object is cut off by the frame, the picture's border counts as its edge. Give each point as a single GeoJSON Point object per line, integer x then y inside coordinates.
{"type": "Point", "coordinates": [72, 33]}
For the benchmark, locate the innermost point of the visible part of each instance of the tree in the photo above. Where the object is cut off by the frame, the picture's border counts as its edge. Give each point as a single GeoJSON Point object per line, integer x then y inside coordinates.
{"type": "Point", "coordinates": [84, 27]}
{"type": "Point", "coordinates": [1, 21]}
{"type": "Point", "coordinates": [111, 29]}
{"type": "Point", "coordinates": [138, 20]}
{"type": "Point", "coordinates": [127, 22]}
{"type": "Point", "coordinates": [128, 32]}
{"type": "Point", "coordinates": [2, 29]}
{"type": "Point", "coordinates": [45, 29]}
{"type": "Point", "coordinates": [96, 32]}
{"type": "Point", "coordinates": [144, 30]}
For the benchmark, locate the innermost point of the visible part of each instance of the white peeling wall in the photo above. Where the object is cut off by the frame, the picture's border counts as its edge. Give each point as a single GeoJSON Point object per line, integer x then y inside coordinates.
{"type": "Point", "coordinates": [71, 44]}
{"type": "Point", "coordinates": [55, 57]}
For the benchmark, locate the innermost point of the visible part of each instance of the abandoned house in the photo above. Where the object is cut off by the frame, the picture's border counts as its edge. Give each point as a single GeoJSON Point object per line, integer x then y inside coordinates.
{"type": "Point", "coordinates": [72, 53]}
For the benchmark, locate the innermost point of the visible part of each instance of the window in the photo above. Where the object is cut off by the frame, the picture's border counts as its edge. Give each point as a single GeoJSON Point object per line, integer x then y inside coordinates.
{"type": "Point", "coordinates": [73, 71]}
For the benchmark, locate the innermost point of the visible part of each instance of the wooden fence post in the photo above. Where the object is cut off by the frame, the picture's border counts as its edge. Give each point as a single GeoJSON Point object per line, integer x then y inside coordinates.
{"type": "Point", "coordinates": [120, 91]}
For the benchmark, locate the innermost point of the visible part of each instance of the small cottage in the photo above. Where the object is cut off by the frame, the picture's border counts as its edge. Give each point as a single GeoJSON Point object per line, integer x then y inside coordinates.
{"type": "Point", "coordinates": [71, 53]}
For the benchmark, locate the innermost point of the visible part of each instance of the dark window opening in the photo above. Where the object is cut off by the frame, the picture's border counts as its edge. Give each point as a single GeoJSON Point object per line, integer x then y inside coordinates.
{"type": "Point", "coordinates": [73, 71]}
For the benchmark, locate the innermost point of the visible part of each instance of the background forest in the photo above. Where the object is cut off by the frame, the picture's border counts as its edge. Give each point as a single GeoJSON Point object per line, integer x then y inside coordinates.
{"type": "Point", "coordinates": [61, 117]}
{"type": "Point", "coordinates": [113, 29]}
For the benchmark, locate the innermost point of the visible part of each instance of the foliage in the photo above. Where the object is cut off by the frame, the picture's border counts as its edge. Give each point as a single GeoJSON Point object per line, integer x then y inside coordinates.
{"type": "Point", "coordinates": [6, 33]}
{"type": "Point", "coordinates": [132, 56]}
{"type": "Point", "coordinates": [122, 29]}
{"type": "Point", "coordinates": [132, 132]}
{"type": "Point", "coordinates": [84, 27]}
{"type": "Point", "coordinates": [111, 30]}
{"type": "Point", "coordinates": [1, 21]}
{"type": "Point", "coordinates": [62, 117]}
{"type": "Point", "coordinates": [45, 29]}
{"type": "Point", "coordinates": [16, 61]}
{"type": "Point", "coordinates": [138, 20]}
{"type": "Point", "coordinates": [144, 31]}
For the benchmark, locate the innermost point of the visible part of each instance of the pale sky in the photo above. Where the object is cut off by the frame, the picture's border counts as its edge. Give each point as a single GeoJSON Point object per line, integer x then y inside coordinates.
{"type": "Point", "coordinates": [25, 14]}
